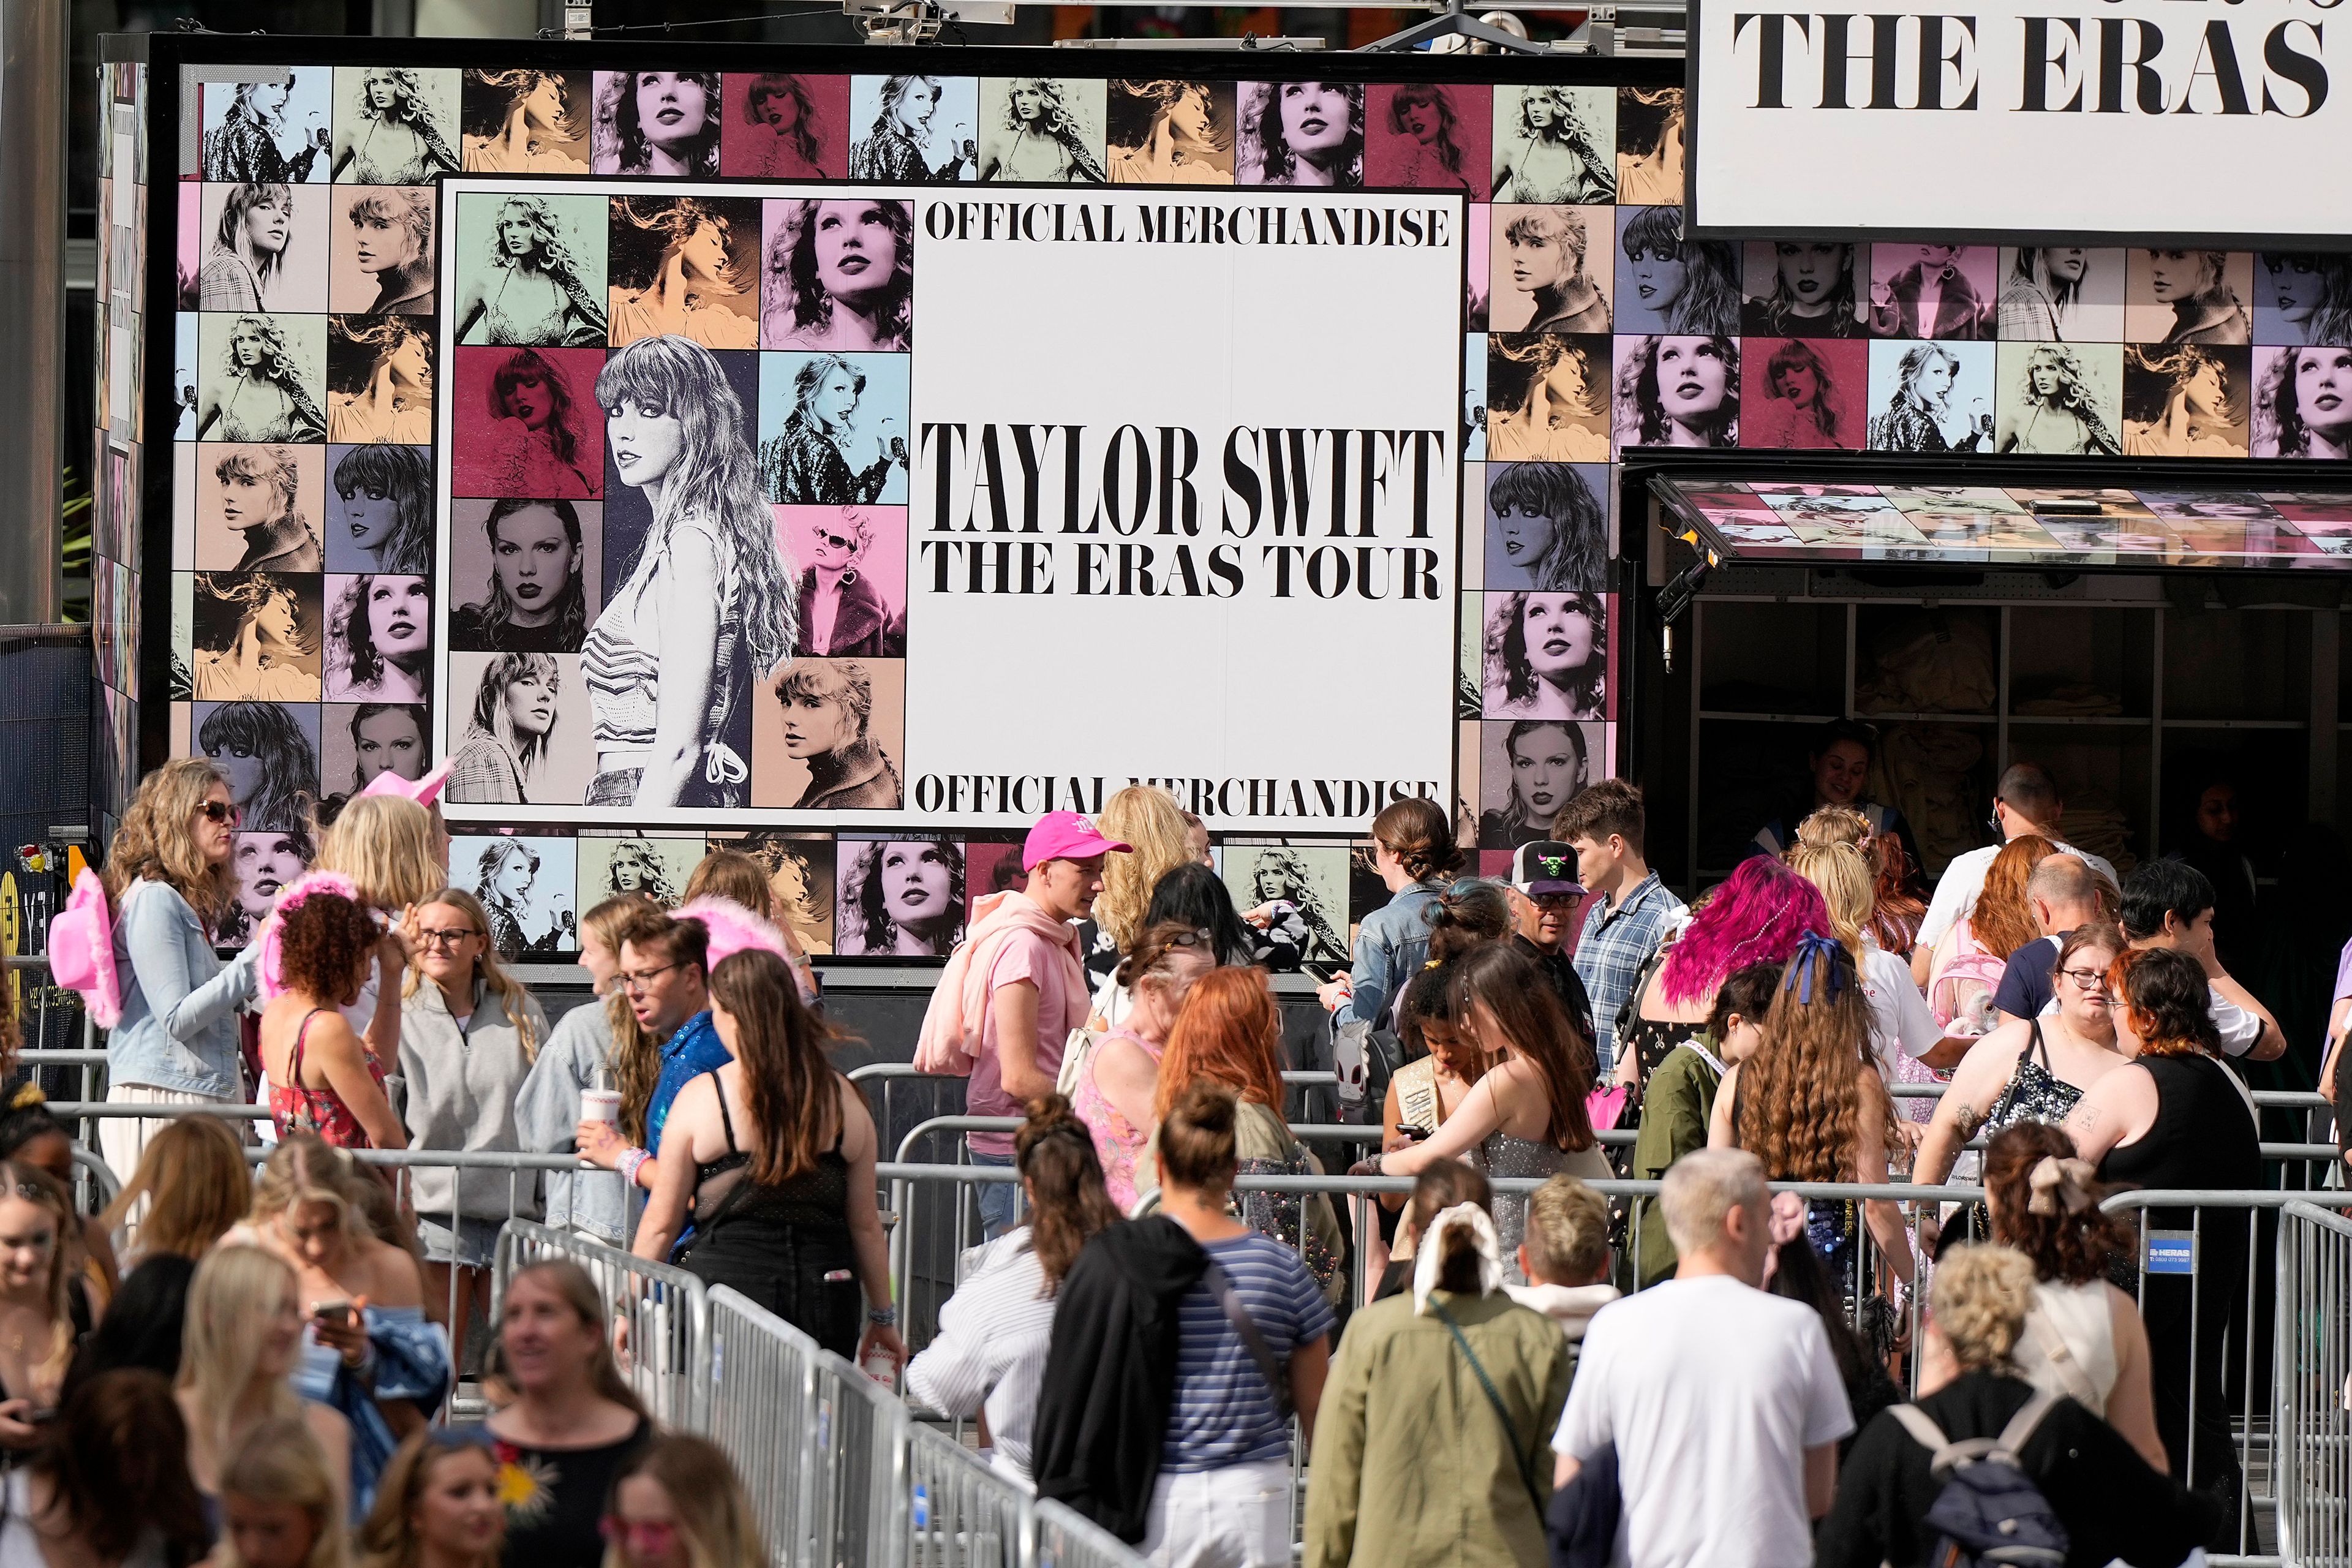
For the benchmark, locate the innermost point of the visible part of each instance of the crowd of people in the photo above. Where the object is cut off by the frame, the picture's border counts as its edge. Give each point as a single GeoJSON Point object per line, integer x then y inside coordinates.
{"type": "Point", "coordinates": [1708, 1375]}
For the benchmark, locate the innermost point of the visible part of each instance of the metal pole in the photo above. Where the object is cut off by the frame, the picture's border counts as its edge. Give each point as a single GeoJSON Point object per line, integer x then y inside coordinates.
{"type": "Point", "coordinates": [32, 304]}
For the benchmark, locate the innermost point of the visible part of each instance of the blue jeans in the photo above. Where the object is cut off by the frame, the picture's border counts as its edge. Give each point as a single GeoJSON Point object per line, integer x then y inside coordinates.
{"type": "Point", "coordinates": [997, 1198]}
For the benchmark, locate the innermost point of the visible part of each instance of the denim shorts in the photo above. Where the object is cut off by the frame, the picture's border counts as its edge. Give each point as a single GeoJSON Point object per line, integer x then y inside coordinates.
{"type": "Point", "coordinates": [614, 787]}
{"type": "Point", "coordinates": [473, 1244]}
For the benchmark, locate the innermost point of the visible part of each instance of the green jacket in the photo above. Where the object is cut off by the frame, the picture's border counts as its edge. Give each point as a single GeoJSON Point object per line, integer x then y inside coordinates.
{"type": "Point", "coordinates": [1676, 1105]}
{"type": "Point", "coordinates": [1412, 1465]}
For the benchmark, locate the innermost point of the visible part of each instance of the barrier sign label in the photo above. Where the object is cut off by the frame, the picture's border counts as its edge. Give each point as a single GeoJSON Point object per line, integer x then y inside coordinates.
{"type": "Point", "coordinates": [2170, 1252]}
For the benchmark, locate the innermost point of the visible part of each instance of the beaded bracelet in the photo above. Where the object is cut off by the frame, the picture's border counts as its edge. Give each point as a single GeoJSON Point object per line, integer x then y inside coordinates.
{"type": "Point", "coordinates": [631, 1163]}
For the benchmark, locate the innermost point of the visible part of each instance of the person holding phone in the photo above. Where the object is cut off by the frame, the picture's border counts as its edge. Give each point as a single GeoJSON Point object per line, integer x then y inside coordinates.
{"type": "Point", "coordinates": [367, 1349]}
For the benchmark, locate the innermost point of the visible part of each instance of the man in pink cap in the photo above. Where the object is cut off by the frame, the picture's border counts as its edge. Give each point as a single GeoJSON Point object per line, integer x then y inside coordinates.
{"type": "Point", "coordinates": [1036, 987]}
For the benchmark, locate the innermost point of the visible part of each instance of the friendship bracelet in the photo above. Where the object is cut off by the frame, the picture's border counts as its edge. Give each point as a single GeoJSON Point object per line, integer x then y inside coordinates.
{"type": "Point", "coordinates": [631, 1163]}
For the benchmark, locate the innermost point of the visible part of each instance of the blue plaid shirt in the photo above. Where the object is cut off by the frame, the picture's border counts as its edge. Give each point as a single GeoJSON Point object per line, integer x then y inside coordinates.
{"type": "Point", "coordinates": [1615, 944]}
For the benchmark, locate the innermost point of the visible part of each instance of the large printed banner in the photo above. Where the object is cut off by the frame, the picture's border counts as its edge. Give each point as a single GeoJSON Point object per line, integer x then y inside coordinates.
{"type": "Point", "coordinates": [2219, 122]}
{"type": "Point", "coordinates": [985, 505]}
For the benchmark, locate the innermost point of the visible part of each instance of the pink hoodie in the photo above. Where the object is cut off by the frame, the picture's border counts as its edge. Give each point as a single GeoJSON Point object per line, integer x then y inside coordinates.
{"type": "Point", "coordinates": [948, 1044]}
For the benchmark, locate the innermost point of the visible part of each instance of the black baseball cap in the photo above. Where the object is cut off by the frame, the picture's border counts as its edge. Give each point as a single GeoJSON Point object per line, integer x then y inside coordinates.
{"type": "Point", "coordinates": [1545, 866]}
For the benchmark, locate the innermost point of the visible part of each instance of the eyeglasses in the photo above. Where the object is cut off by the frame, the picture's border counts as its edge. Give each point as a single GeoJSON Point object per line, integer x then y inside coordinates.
{"type": "Point", "coordinates": [449, 937]}
{"type": "Point", "coordinates": [643, 979]}
{"type": "Point", "coordinates": [651, 1538]}
{"type": "Point", "coordinates": [2086, 979]}
{"type": "Point", "coordinates": [220, 811]}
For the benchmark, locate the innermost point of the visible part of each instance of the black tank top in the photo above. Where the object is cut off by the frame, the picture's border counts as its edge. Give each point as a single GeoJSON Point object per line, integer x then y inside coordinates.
{"type": "Point", "coordinates": [2203, 1135]}
{"type": "Point", "coordinates": [812, 1203]}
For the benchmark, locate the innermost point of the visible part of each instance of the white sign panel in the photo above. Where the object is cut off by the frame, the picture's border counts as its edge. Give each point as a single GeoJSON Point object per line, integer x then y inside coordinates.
{"type": "Point", "coordinates": [2223, 122]}
{"type": "Point", "coordinates": [1132, 488]}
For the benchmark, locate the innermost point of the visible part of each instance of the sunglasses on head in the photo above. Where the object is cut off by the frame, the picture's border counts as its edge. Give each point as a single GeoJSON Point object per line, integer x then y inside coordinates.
{"type": "Point", "coordinates": [220, 811]}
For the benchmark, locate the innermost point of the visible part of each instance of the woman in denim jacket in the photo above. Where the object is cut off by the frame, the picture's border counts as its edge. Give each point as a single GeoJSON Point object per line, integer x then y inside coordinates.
{"type": "Point", "coordinates": [169, 880]}
{"type": "Point", "coordinates": [1413, 849]}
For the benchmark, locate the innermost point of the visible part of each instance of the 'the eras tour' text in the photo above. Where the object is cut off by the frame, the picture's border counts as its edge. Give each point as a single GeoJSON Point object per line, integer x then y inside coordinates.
{"type": "Point", "coordinates": [2103, 63]}
{"type": "Point", "coordinates": [1111, 495]}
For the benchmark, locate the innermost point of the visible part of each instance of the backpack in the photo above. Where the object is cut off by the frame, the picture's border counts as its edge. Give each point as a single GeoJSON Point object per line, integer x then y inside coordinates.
{"type": "Point", "coordinates": [1962, 990]}
{"type": "Point", "coordinates": [1990, 1512]}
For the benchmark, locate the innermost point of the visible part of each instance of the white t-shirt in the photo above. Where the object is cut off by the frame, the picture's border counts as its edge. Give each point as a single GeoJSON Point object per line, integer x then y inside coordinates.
{"type": "Point", "coordinates": [1712, 1392]}
{"type": "Point", "coordinates": [1899, 1019]}
{"type": "Point", "coordinates": [1963, 879]}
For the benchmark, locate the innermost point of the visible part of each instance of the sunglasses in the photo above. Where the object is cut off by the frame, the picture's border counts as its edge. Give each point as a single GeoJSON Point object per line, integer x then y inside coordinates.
{"type": "Point", "coordinates": [220, 811]}
{"type": "Point", "coordinates": [826, 536]}
{"type": "Point", "coordinates": [651, 1538]}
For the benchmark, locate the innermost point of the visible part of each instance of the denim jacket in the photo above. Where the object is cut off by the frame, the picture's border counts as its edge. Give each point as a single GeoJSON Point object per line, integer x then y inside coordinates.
{"type": "Point", "coordinates": [179, 1000]}
{"type": "Point", "coordinates": [1391, 945]}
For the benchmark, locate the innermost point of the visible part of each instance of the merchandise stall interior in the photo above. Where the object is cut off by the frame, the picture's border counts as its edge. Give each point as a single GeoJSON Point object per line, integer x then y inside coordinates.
{"type": "Point", "coordinates": [2144, 642]}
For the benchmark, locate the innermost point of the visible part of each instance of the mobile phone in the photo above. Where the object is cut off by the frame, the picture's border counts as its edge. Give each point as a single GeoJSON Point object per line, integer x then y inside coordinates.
{"type": "Point", "coordinates": [336, 1313]}
{"type": "Point", "coordinates": [40, 1418]}
{"type": "Point", "coordinates": [1321, 971]}
{"type": "Point", "coordinates": [1407, 1130]}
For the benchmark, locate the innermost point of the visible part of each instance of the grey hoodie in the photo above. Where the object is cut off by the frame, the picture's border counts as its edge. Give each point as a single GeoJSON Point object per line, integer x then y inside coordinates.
{"type": "Point", "coordinates": [547, 1115]}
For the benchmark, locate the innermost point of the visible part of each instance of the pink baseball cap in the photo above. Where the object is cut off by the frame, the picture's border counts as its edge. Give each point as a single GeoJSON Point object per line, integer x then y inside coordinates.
{"type": "Point", "coordinates": [423, 791]}
{"type": "Point", "coordinates": [1065, 835]}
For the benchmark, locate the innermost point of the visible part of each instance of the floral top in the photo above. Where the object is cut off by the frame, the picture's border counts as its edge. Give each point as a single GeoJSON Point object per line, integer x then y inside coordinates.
{"type": "Point", "coordinates": [555, 1498]}
{"type": "Point", "coordinates": [1117, 1141]}
{"type": "Point", "coordinates": [292, 1107]}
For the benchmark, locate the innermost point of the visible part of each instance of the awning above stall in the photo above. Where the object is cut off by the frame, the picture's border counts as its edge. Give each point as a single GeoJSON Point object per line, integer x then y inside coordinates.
{"type": "Point", "coordinates": [2206, 528]}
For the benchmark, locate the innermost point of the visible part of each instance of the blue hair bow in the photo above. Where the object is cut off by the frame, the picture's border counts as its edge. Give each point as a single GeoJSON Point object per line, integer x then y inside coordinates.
{"type": "Point", "coordinates": [1810, 946]}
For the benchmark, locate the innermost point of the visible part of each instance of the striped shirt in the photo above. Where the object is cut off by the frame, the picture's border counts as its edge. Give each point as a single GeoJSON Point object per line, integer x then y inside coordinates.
{"type": "Point", "coordinates": [991, 1348]}
{"type": "Point", "coordinates": [1221, 1412]}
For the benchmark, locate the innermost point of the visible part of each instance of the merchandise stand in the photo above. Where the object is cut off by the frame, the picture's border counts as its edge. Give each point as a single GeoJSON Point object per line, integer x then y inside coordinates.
{"type": "Point", "coordinates": [2136, 677]}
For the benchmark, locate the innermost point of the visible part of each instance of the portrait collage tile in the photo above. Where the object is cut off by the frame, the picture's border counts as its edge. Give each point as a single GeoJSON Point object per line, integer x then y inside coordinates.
{"type": "Point", "coordinates": [607, 348]}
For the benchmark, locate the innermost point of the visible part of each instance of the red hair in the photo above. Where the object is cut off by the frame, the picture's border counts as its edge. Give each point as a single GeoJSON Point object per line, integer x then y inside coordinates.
{"type": "Point", "coordinates": [1228, 1030]}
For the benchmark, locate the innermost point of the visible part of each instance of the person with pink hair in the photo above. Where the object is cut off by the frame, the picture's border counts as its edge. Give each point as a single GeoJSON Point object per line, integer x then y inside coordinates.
{"type": "Point", "coordinates": [1754, 916]}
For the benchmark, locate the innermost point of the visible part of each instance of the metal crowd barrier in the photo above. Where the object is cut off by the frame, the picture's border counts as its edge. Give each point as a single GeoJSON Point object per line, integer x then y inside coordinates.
{"type": "Point", "coordinates": [2312, 1438]}
{"type": "Point", "coordinates": [661, 1315]}
{"type": "Point", "coordinates": [839, 1472]}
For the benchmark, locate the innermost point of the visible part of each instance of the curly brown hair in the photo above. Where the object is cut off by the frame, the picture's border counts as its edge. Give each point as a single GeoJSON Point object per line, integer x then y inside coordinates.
{"type": "Point", "coordinates": [327, 942]}
{"type": "Point", "coordinates": [2073, 1248]}
{"type": "Point", "coordinates": [1800, 1107]}
{"type": "Point", "coordinates": [2167, 1001]}
{"type": "Point", "coordinates": [2002, 921]}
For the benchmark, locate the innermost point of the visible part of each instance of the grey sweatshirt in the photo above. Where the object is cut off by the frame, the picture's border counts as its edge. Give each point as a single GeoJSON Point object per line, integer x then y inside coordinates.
{"type": "Point", "coordinates": [462, 1089]}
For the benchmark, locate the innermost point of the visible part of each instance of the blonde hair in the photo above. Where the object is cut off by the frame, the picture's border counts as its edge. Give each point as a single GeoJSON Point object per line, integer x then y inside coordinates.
{"type": "Point", "coordinates": [512, 995]}
{"type": "Point", "coordinates": [386, 1539]}
{"type": "Point", "coordinates": [30, 1183]}
{"type": "Point", "coordinates": [195, 1184]}
{"type": "Point", "coordinates": [1847, 883]}
{"type": "Point", "coordinates": [1980, 1297]}
{"type": "Point", "coordinates": [1567, 1232]}
{"type": "Point", "coordinates": [715, 1520]}
{"type": "Point", "coordinates": [280, 1461]}
{"type": "Point", "coordinates": [1148, 818]}
{"type": "Point", "coordinates": [385, 844]}
{"type": "Point", "coordinates": [1834, 824]}
{"type": "Point", "coordinates": [155, 843]}
{"type": "Point", "coordinates": [305, 1169]}
{"type": "Point", "coordinates": [231, 1302]}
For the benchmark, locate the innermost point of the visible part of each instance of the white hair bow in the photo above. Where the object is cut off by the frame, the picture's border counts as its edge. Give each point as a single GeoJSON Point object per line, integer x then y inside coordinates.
{"type": "Point", "coordinates": [1489, 1246]}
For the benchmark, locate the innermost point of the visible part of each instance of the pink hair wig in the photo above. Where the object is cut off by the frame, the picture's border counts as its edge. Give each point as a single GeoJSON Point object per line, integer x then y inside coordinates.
{"type": "Point", "coordinates": [1756, 917]}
